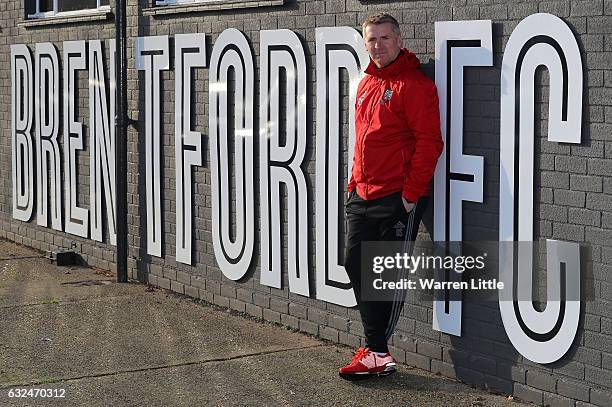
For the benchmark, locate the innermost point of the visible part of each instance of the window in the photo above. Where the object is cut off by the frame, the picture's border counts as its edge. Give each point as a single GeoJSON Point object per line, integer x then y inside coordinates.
{"type": "Point", "coordinates": [62, 8]}
{"type": "Point", "coordinates": [177, 2]}
{"type": "Point", "coordinates": [166, 7]}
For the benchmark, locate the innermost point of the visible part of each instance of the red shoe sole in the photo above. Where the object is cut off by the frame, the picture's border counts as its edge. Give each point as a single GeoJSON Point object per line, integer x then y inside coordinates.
{"type": "Point", "coordinates": [353, 377]}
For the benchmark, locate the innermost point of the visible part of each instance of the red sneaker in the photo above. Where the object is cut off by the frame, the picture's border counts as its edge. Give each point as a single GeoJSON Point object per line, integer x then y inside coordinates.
{"type": "Point", "coordinates": [367, 364]}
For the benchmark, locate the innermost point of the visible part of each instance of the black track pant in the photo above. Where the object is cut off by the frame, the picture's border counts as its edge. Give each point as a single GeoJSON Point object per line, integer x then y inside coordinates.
{"type": "Point", "coordinates": [377, 220]}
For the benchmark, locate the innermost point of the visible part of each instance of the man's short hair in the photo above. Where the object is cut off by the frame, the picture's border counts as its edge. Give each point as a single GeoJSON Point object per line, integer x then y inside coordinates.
{"type": "Point", "coordinates": [382, 18]}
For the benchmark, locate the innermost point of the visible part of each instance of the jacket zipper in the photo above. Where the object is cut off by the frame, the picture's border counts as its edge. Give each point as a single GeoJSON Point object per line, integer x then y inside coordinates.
{"type": "Point", "coordinates": [363, 138]}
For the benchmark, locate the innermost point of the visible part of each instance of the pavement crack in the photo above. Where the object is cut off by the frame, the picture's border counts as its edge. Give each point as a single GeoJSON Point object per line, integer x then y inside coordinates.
{"type": "Point", "coordinates": [23, 258]}
{"type": "Point", "coordinates": [159, 367]}
{"type": "Point", "coordinates": [63, 302]}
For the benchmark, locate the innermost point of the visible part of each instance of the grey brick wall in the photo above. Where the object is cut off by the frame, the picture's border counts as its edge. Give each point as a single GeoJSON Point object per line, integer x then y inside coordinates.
{"type": "Point", "coordinates": [573, 186]}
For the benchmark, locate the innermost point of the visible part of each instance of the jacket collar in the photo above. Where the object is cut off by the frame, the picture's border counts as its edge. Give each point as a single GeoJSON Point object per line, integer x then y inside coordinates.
{"type": "Point", "coordinates": [405, 60]}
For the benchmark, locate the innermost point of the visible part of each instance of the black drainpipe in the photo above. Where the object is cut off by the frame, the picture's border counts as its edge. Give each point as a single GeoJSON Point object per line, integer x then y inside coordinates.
{"type": "Point", "coordinates": [121, 124]}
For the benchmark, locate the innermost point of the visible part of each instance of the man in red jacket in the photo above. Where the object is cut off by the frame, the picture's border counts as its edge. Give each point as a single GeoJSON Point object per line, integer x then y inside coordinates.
{"type": "Point", "coordinates": [397, 126]}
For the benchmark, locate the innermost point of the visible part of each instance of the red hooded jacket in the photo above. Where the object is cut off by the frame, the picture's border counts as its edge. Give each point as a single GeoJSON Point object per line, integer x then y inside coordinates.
{"type": "Point", "coordinates": [397, 129]}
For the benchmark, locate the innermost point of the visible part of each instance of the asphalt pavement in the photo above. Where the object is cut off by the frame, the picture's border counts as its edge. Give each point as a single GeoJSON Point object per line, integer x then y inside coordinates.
{"type": "Point", "coordinates": [75, 332]}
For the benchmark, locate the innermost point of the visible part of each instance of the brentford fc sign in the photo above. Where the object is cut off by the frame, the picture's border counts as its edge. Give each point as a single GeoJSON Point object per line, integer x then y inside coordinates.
{"type": "Point", "coordinates": [41, 91]}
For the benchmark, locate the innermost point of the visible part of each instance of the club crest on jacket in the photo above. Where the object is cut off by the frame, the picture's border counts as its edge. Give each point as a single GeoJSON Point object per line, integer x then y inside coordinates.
{"type": "Point", "coordinates": [386, 96]}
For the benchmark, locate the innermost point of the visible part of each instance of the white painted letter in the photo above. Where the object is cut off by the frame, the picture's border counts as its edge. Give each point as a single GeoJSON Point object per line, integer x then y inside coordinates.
{"type": "Point", "coordinates": [337, 48]}
{"type": "Point", "coordinates": [22, 105]}
{"type": "Point", "coordinates": [102, 142]}
{"type": "Point", "coordinates": [458, 177]}
{"type": "Point", "coordinates": [75, 59]}
{"type": "Point", "coordinates": [280, 162]}
{"type": "Point", "coordinates": [232, 52]}
{"type": "Point", "coordinates": [47, 128]}
{"type": "Point", "coordinates": [189, 53]}
{"type": "Point", "coordinates": [538, 40]}
{"type": "Point", "coordinates": [153, 56]}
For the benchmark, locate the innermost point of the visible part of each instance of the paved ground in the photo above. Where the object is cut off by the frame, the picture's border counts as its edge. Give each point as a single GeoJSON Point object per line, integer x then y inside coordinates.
{"type": "Point", "coordinates": [125, 345]}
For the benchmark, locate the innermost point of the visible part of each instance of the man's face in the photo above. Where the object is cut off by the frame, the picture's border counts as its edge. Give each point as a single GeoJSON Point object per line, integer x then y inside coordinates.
{"type": "Point", "coordinates": [382, 43]}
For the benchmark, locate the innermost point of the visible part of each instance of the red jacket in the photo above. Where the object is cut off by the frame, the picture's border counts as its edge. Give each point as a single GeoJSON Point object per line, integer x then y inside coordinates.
{"type": "Point", "coordinates": [397, 129]}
